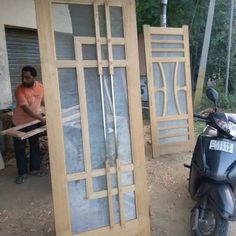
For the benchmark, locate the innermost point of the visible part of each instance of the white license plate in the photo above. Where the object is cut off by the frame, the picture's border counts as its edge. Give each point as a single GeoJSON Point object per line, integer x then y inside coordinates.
{"type": "Point", "coordinates": [221, 146]}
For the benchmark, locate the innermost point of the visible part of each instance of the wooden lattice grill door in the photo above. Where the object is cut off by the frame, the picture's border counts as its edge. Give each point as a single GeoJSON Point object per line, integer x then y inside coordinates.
{"type": "Point", "coordinates": [90, 73]}
{"type": "Point", "coordinates": [169, 86]}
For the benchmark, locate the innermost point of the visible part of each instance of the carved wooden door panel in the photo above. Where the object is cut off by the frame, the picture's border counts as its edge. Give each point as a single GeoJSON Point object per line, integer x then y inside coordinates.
{"type": "Point", "coordinates": [169, 87]}
{"type": "Point", "coordinates": [90, 74]}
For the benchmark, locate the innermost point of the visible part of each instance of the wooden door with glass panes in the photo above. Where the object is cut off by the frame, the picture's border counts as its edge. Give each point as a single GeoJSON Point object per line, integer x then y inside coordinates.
{"type": "Point", "coordinates": [89, 61]}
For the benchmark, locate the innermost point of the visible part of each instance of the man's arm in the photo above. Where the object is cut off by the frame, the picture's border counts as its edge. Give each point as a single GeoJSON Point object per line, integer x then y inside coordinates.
{"type": "Point", "coordinates": [34, 115]}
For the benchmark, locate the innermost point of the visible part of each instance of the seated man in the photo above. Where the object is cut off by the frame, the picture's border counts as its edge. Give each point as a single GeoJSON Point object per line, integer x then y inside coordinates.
{"type": "Point", "coordinates": [29, 97]}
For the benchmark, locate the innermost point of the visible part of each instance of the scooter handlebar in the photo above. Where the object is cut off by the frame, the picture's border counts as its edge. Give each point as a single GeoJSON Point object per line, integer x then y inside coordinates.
{"type": "Point", "coordinates": [201, 117]}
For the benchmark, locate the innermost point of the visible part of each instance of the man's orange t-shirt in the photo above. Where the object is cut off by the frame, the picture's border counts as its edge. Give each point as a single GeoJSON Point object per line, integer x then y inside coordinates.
{"type": "Point", "coordinates": [31, 97]}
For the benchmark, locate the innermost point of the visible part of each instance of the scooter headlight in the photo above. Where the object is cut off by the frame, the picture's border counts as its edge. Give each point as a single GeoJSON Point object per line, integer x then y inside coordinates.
{"type": "Point", "coordinates": [232, 129]}
{"type": "Point", "coordinates": [223, 125]}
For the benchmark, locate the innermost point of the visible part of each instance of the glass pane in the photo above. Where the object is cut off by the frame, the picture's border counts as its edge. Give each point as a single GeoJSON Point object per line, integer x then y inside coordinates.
{"type": "Point", "coordinates": [63, 32]}
{"type": "Point", "coordinates": [82, 18]}
{"type": "Point", "coordinates": [116, 209]}
{"type": "Point", "coordinates": [169, 69]}
{"type": "Point", "coordinates": [172, 123]}
{"type": "Point", "coordinates": [99, 183]}
{"type": "Point", "coordinates": [114, 180]}
{"type": "Point", "coordinates": [102, 21]}
{"type": "Point", "coordinates": [95, 118]}
{"type": "Point", "coordinates": [127, 178]}
{"type": "Point", "coordinates": [167, 45]}
{"type": "Point", "coordinates": [71, 120]}
{"type": "Point", "coordinates": [129, 206]}
{"type": "Point", "coordinates": [159, 105]}
{"type": "Point", "coordinates": [86, 214]}
{"type": "Point", "coordinates": [104, 52]}
{"type": "Point", "coordinates": [181, 78]}
{"type": "Point", "coordinates": [173, 139]}
{"type": "Point", "coordinates": [71, 20]}
{"type": "Point", "coordinates": [89, 52]}
{"type": "Point", "coordinates": [166, 37]}
{"type": "Point", "coordinates": [116, 16]}
{"type": "Point", "coordinates": [182, 98]}
{"type": "Point", "coordinates": [122, 115]}
{"type": "Point", "coordinates": [158, 78]}
{"type": "Point", "coordinates": [110, 142]}
{"type": "Point", "coordinates": [118, 52]}
{"type": "Point", "coordinates": [173, 131]}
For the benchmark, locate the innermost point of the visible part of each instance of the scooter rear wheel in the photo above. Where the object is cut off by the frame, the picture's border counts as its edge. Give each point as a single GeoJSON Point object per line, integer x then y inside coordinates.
{"type": "Point", "coordinates": [210, 224]}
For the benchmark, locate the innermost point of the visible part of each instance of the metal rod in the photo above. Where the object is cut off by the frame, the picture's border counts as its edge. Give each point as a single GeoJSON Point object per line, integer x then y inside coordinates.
{"type": "Point", "coordinates": [114, 107]}
{"type": "Point", "coordinates": [103, 108]}
{"type": "Point", "coordinates": [163, 12]}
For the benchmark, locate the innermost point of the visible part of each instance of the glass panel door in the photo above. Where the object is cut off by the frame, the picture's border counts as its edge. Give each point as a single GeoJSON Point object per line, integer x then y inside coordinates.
{"type": "Point", "coordinates": [92, 64]}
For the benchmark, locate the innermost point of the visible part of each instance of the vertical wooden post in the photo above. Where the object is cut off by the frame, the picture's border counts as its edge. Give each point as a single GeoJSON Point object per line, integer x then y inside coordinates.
{"type": "Point", "coordinates": [54, 120]}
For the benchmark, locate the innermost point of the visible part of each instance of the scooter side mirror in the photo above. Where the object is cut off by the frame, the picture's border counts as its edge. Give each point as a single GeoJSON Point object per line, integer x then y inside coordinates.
{"type": "Point", "coordinates": [212, 95]}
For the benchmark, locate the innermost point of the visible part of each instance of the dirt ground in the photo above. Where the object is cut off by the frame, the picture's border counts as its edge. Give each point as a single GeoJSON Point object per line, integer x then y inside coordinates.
{"type": "Point", "coordinates": [26, 210]}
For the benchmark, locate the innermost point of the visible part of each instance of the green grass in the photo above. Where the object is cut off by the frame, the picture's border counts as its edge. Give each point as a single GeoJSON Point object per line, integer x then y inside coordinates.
{"type": "Point", "coordinates": [198, 127]}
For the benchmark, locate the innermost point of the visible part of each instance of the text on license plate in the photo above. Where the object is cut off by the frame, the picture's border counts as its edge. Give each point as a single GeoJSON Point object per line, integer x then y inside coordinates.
{"type": "Point", "coordinates": [221, 146]}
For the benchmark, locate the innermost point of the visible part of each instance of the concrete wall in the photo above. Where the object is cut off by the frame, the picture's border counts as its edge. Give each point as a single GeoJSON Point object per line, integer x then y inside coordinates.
{"type": "Point", "coordinates": [15, 13]}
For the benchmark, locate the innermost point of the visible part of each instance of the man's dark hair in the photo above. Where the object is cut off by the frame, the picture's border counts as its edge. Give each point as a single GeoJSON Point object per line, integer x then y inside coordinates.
{"type": "Point", "coordinates": [31, 69]}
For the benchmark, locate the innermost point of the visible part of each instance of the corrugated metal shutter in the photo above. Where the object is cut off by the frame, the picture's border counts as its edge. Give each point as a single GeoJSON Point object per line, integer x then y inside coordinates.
{"type": "Point", "coordinates": [23, 49]}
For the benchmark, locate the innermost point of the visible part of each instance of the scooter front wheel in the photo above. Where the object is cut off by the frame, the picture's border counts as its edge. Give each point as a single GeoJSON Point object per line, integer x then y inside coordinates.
{"type": "Point", "coordinates": [207, 222]}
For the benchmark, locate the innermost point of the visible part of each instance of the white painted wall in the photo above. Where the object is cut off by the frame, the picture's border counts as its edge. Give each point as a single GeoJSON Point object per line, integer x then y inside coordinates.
{"type": "Point", "coordinates": [17, 13]}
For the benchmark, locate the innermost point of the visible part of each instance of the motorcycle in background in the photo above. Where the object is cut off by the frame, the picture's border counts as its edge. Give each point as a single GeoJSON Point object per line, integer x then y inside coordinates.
{"type": "Point", "coordinates": [212, 181]}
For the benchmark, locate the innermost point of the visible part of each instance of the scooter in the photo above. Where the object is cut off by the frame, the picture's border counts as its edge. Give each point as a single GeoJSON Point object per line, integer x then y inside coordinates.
{"type": "Point", "coordinates": [212, 180]}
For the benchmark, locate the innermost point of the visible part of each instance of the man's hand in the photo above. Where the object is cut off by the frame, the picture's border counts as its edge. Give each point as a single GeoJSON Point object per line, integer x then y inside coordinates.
{"type": "Point", "coordinates": [43, 120]}
{"type": "Point", "coordinates": [34, 115]}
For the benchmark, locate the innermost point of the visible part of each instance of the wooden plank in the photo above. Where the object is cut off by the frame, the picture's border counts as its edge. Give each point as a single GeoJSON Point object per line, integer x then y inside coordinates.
{"type": "Point", "coordinates": [66, 64]}
{"type": "Point", "coordinates": [167, 59]}
{"type": "Point", "coordinates": [98, 38]}
{"type": "Point", "coordinates": [135, 112]}
{"type": "Point", "coordinates": [54, 122]}
{"type": "Point", "coordinates": [132, 228]}
{"type": "Point", "coordinates": [14, 133]}
{"type": "Point", "coordinates": [84, 117]}
{"type": "Point", "coordinates": [173, 135]}
{"type": "Point", "coordinates": [189, 86]}
{"type": "Point", "coordinates": [109, 194]}
{"type": "Point", "coordinates": [164, 89]}
{"type": "Point", "coordinates": [166, 31]}
{"type": "Point", "coordinates": [173, 127]}
{"type": "Point", "coordinates": [120, 193]}
{"type": "Point", "coordinates": [99, 172]}
{"type": "Point", "coordinates": [172, 118]}
{"type": "Point", "coordinates": [33, 132]}
{"type": "Point", "coordinates": [151, 89]}
{"type": "Point", "coordinates": [167, 41]}
{"type": "Point", "coordinates": [86, 2]}
{"type": "Point", "coordinates": [175, 89]}
{"type": "Point", "coordinates": [19, 127]}
{"type": "Point", "coordinates": [114, 191]}
{"type": "Point", "coordinates": [167, 50]}
{"type": "Point", "coordinates": [109, 38]}
{"type": "Point", "coordinates": [102, 40]}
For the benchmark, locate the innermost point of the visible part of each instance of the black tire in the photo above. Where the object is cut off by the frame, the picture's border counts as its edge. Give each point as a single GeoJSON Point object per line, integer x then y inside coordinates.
{"type": "Point", "coordinates": [213, 224]}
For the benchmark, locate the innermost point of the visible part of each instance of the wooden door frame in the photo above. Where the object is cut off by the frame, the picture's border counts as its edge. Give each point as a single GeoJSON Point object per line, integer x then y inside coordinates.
{"type": "Point", "coordinates": [54, 121]}
{"type": "Point", "coordinates": [172, 147]}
